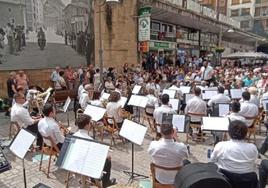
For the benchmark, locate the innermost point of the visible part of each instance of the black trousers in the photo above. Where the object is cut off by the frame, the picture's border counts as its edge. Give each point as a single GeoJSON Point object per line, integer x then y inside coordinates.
{"type": "Point", "coordinates": [263, 173]}
{"type": "Point", "coordinates": [264, 146]}
{"type": "Point", "coordinates": [34, 129]}
{"type": "Point", "coordinates": [106, 176]}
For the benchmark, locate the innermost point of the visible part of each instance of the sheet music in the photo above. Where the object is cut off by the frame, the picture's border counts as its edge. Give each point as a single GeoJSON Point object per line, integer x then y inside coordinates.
{"type": "Point", "coordinates": [133, 131]}
{"type": "Point", "coordinates": [21, 143]}
{"type": "Point", "coordinates": [188, 97]}
{"type": "Point", "coordinates": [47, 96]}
{"type": "Point", "coordinates": [170, 93]}
{"type": "Point", "coordinates": [136, 100]}
{"type": "Point", "coordinates": [236, 93]}
{"type": "Point", "coordinates": [224, 110]}
{"type": "Point", "coordinates": [185, 89]}
{"type": "Point", "coordinates": [66, 104]}
{"type": "Point", "coordinates": [86, 158]}
{"type": "Point", "coordinates": [174, 88]}
{"type": "Point", "coordinates": [178, 121]}
{"type": "Point", "coordinates": [174, 103]}
{"type": "Point", "coordinates": [215, 123]}
{"type": "Point", "coordinates": [105, 96]}
{"type": "Point", "coordinates": [226, 92]}
{"type": "Point", "coordinates": [208, 94]}
{"type": "Point", "coordinates": [95, 112]}
{"type": "Point", "coordinates": [136, 89]}
{"type": "Point", "coordinates": [122, 101]}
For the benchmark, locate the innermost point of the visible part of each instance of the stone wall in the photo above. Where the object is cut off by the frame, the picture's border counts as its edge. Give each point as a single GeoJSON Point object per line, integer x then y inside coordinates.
{"type": "Point", "coordinates": [36, 77]}
{"type": "Point", "coordinates": [119, 33]}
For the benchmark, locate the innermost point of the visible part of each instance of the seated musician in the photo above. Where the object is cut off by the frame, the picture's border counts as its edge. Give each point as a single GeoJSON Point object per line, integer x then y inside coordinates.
{"type": "Point", "coordinates": [236, 156]}
{"type": "Point", "coordinates": [86, 96]}
{"type": "Point", "coordinates": [234, 115]}
{"type": "Point", "coordinates": [165, 108]}
{"type": "Point", "coordinates": [167, 153]}
{"type": "Point", "coordinates": [114, 108]}
{"type": "Point", "coordinates": [21, 115]}
{"type": "Point", "coordinates": [254, 96]}
{"type": "Point", "coordinates": [196, 106]}
{"type": "Point", "coordinates": [219, 98]}
{"type": "Point", "coordinates": [152, 102]}
{"type": "Point", "coordinates": [48, 127]}
{"type": "Point", "coordinates": [84, 126]}
{"type": "Point", "coordinates": [248, 109]}
{"type": "Point", "coordinates": [109, 86]}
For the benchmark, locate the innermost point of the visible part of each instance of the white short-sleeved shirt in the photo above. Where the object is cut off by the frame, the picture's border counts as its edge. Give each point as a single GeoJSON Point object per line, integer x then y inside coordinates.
{"type": "Point", "coordinates": [113, 111]}
{"type": "Point", "coordinates": [219, 98]}
{"type": "Point", "coordinates": [248, 109]}
{"type": "Point", "coordinates": [167, 153]}
{"type": "Point", "coordinates": [235, 156]}
{"type": "Point", "coordinates": [49, 127]}
{"type": "Point", "coordinates": [198, 106]}
{"type": "Point", "coordinates": [21, 115]}
{"type": "Point", "coordinates": [205, 73]}
{"type": "Point", "coordinates": [158, 112]}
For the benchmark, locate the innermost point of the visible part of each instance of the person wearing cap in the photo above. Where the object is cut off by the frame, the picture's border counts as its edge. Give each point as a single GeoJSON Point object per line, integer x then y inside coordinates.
{"type": "Point", "coordinates": [86, 96]}
{"type": "Point", "coordinates": [219, 98]}
{"type": "Point", "coordinates": [167, 153]}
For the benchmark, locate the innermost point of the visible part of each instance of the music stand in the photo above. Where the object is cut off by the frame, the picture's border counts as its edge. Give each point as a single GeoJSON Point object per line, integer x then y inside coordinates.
{"type": "Point", "coordinates": [20, 146]}
{"type": "Point", "coordinates": [65, 108]}
{"type": "Point", "coordinates": [180, 122]}
{"type": "Point", "coordinates": [220, 109]}
{"type": "Point", "coordinates": [127, 130]}
{"type": "Point", "coordinates": [139, 102]}
{"type": "Point", "coordinates": [83, 156]}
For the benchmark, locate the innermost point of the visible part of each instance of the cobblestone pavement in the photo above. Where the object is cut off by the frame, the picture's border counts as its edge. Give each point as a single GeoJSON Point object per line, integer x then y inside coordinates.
{"type": "Point", "coordinates": [121, 160]}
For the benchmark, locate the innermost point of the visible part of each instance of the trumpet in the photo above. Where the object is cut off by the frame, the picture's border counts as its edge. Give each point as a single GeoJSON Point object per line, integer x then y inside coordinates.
{"type": "Point", "coordinates": [66, 130]}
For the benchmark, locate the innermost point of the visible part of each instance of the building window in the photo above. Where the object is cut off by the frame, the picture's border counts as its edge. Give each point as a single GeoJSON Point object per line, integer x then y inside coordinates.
{"type": "Point", "coordinates": [155, 26]}
{"type": "Point", "coordinates": [170, 29]}
{"type": "Point", "coordinates": [266, 23]}
{"type": "Point", "coordinates": [258, 11]}
{"type": "Point", "coordinates": [246, 1]}
{"type": "Point", "coordinates": [164, 28]}
{"type": "Point", "coordinates": [245, 11]}
{"type": "Point", "coordinates": [235, 12]}
{"type": "Point", "coordinates": [235, 2]}
{"type": "Point", "coordinates": [9, 9]}
{"type": "Point", "coordinates": [244, 24]}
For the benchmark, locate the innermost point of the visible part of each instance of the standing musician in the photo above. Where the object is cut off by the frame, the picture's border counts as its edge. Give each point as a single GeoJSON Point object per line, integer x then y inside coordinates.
{"type": "Point", "coordinates": [21, 115]}
{"type": "Point", "coordinates": [48, 127]}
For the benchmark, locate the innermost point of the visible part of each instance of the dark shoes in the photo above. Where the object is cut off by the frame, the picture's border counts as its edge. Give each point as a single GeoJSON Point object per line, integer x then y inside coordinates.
{"type": "Point", "coordinates": [109, 183]}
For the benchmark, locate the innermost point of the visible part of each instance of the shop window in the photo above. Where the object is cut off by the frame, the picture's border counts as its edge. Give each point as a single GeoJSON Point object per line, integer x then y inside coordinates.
{"type": "Point", "coordinates": [155, 26]}
{"type": "Point", "coordinates": [244, 24]}
{"type": "Point", "coordinates": [245, 11]}
{"type": "Point", "coordinates": [235, 12]}
{"type": "Point", "coordinates": [235, 2]}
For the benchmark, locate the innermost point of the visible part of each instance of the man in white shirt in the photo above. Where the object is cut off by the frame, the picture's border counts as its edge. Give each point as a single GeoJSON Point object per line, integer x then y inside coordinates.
{"type": "Point", "coordinates": [236, 156]}
{"type": "Point", "coordinates": [248, 109]}
{"type": "Point", "coordinates": [86, 96]}
{"type": "Point", "coordinates": [54, 77]}
{"type": "Point", "coordinates": [206, 72]}
{"type": "Point", "coordinates": [219, 98]}
{"type": "Point", "coordinates": [234, 115]}
{"type": "Point", "coordinates": [48, 127]}
{"type": "Point", "coordinates": [167, 153]}
{"type": "Point", "coordinates": [254, 96]}
{"type": "Point", "coordinates": [84, 126]}
{"type": "Point", "coordinates": [165, 108]}
{"type": "Point", "coordinates": [22, 116]}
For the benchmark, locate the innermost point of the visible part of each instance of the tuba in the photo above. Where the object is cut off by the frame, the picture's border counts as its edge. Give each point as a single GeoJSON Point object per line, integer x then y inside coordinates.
{"type": "Point", "coordinates": [36, 99]}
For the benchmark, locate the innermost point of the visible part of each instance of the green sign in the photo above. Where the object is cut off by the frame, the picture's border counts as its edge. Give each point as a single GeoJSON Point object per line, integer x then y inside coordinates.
{"type": "Point", "coordinates": [163, 45]}
{"type": "Point", "coordinates": [145, 11]}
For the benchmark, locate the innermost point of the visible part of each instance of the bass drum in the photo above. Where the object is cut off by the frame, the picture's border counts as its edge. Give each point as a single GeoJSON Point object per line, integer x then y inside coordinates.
{"type": "Point", "coordinates": [200, 175]}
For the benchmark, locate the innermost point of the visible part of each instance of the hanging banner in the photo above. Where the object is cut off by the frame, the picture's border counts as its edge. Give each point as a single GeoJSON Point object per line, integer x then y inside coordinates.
{"type": "Point", "coordinates": [144, 29]}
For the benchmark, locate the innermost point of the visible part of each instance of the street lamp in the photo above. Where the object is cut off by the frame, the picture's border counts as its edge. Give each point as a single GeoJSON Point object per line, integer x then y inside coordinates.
{"type": "Point", "coordinates": [100, 36]}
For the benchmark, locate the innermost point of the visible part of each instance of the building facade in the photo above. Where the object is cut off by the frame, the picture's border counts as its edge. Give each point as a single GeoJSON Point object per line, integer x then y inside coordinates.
{"type": "Point", "coordinates": [215, 5]}
{"type": "Point", "coordinates": [34, 14]}
{"type": "Point", "coordinates": [75, 17]}
{"type": "Point", "coordinates": [12, 11]}
{"type": "Point", "coordinates": [261, 14]}
{"type": "Point", "coordinates": [242, 11]}
{"type": "Point", "coordinates": [53, 15]}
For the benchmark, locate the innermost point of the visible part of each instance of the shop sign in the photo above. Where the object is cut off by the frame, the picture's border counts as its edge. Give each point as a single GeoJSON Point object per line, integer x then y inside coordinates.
{"type": "Point", "coordinates": [144, 29]}
{"type": "Point", "coordinates": [145, 11]}
{"type": "Point", "coordinates": [162, 45]}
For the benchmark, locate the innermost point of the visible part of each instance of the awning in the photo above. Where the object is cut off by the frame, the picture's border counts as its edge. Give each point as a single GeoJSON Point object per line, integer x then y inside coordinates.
{"type": "Point", "coordinates": [252, 55]}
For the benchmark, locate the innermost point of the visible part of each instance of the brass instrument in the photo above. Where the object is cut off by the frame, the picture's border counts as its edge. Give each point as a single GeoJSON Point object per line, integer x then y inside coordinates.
{"type": "Point", "coordinates": [36, 99]}
{"type": "Point", "coordinates": [66, 130]}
